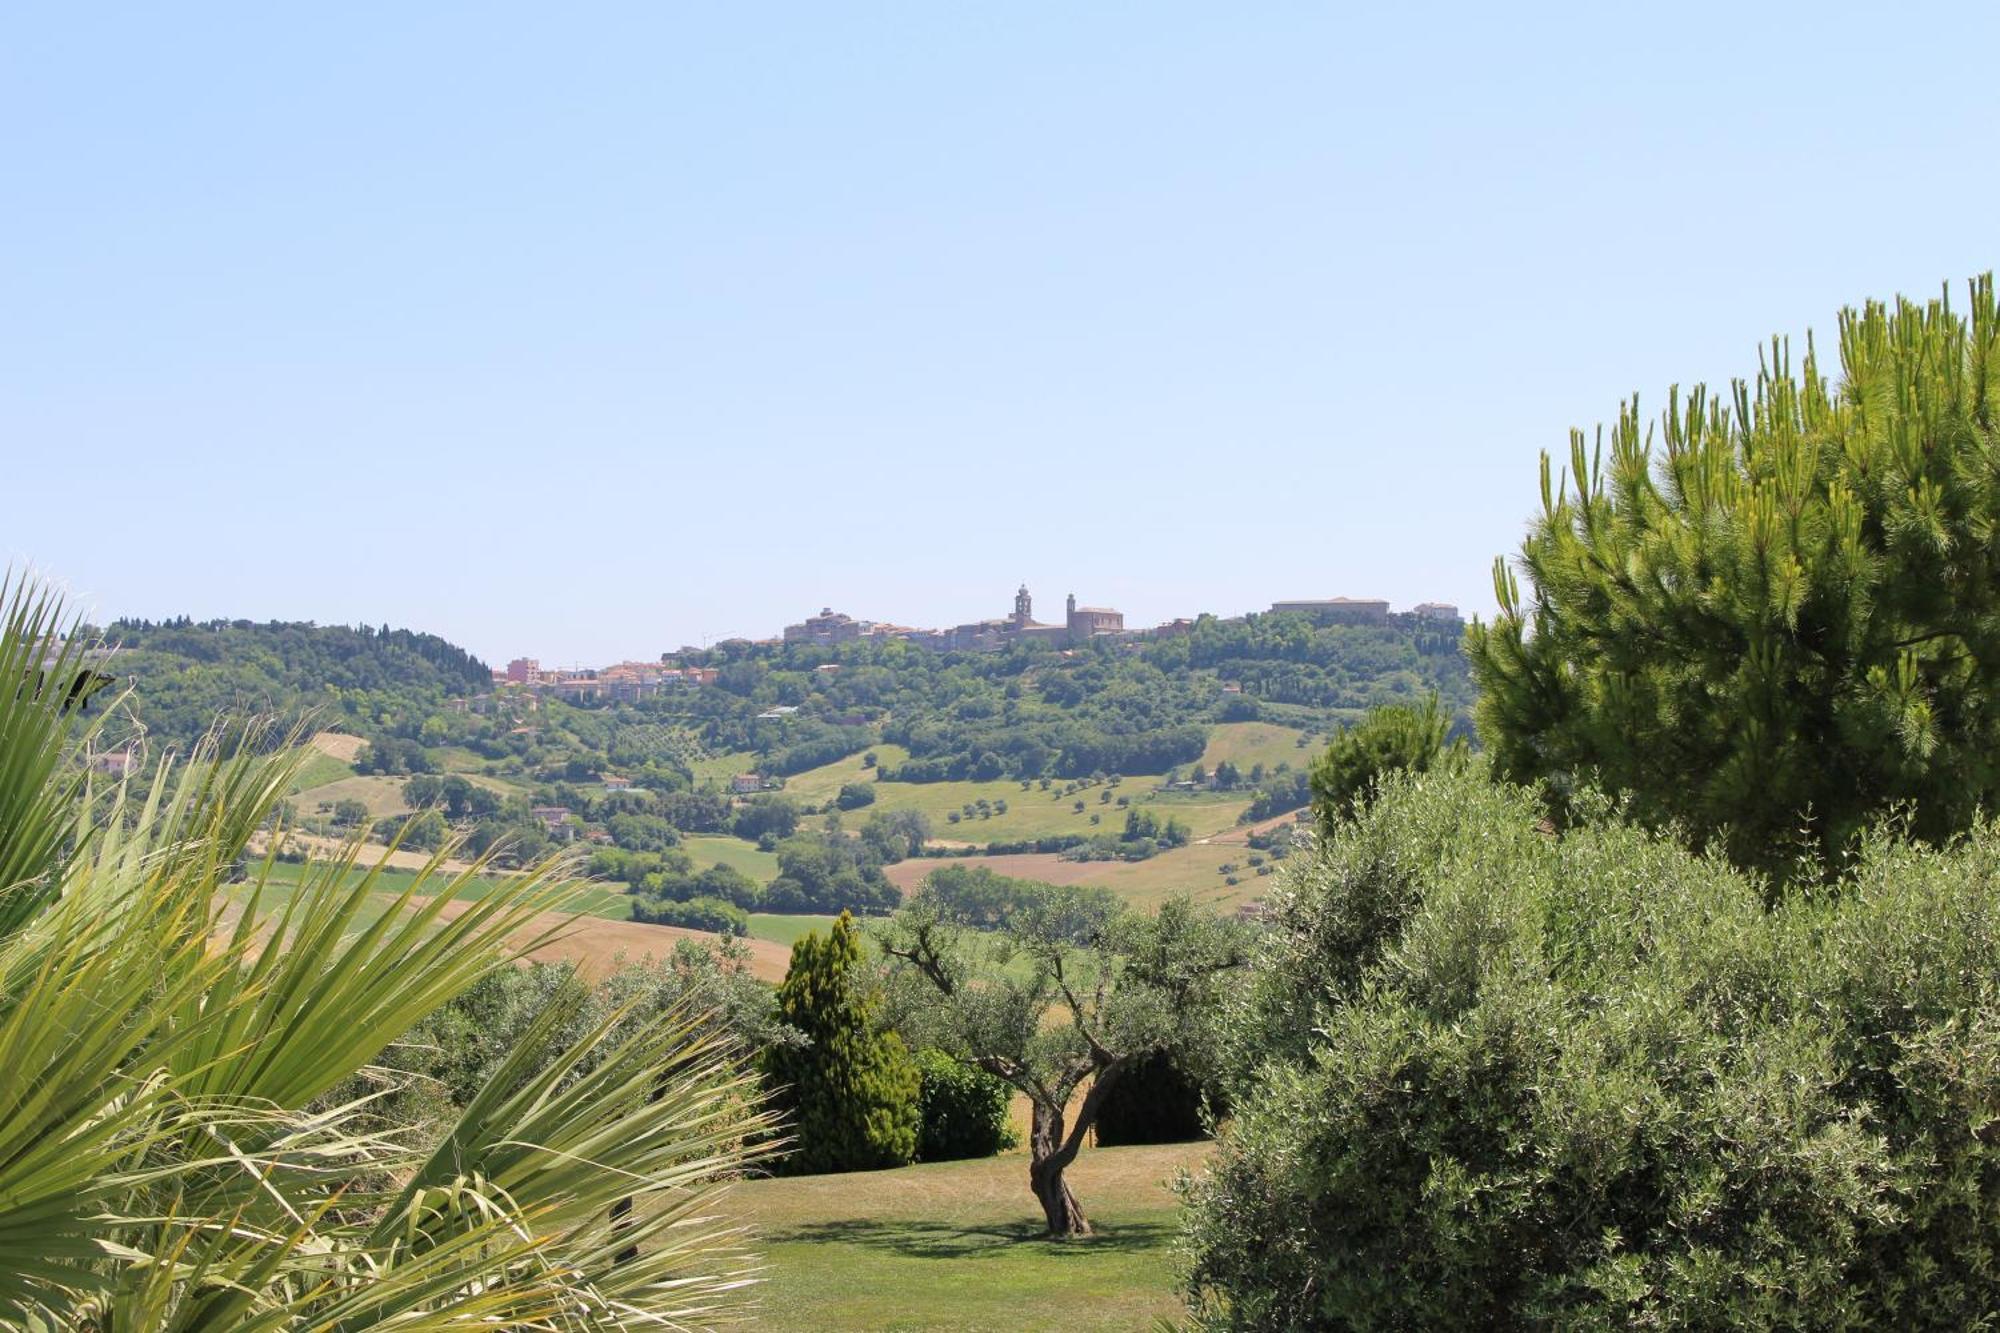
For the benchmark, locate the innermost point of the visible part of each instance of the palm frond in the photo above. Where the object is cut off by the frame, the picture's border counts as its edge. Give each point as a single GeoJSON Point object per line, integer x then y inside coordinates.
{"type": "Point", "coordinates": [170, 1032]}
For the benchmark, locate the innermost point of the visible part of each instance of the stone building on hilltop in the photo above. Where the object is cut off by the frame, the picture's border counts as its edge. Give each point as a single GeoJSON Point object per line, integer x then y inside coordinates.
{"type": "Point", "coordinates": [1338, 610]}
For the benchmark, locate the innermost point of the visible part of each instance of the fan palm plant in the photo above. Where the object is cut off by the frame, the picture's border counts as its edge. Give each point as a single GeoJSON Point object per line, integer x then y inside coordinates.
{"type": "Point", "coordinates": [176, 1148]}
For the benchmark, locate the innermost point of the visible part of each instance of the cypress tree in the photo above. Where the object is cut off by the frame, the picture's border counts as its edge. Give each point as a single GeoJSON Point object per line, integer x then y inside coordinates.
{"type": "Point", "coordinates": [849, 1093]}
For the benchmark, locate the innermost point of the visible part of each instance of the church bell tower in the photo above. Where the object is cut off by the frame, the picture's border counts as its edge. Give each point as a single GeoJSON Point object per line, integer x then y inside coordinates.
{"type": "Point", "coordinates": [1024, 608]}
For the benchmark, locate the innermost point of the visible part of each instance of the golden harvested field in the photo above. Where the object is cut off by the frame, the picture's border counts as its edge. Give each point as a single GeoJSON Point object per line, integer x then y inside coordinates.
{"type": "Point", "coordinates": [594, 943]}
{"type": "Point", "coordinates": [382, 795]}
{"type": "Point", "coordinates": [326, 849]}
{"type": "Point", "coordinates": [339, 745]}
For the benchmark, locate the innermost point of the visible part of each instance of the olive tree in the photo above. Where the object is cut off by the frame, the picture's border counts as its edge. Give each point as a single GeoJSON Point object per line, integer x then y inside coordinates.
{"type": "Point", "coordinates": [1072, 990]}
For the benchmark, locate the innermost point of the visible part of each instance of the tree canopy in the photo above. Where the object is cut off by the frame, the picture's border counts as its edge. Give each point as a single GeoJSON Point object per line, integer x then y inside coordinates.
{"type": "Point", "coordinates": [1784, 621]}
{"type": "Point", "coordinates": [1073, 989]}
{"type": "Point", "coordinates": [847, 1089]}
{"type": "Point", "coordinates": [1491, 1075]}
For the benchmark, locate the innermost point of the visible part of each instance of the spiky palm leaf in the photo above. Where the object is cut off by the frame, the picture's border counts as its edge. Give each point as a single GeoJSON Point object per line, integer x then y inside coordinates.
{"type": "Point", "coordinates": [167, 1044]}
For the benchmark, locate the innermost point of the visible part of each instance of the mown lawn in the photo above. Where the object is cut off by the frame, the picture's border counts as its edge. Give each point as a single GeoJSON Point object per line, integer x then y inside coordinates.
{"type": "Point", "coordinates": [957, 1246]}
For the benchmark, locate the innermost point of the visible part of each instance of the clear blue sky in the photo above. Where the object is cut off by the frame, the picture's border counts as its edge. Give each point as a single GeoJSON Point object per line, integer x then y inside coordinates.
{"type": "Point", "coordinates": [583, 331]}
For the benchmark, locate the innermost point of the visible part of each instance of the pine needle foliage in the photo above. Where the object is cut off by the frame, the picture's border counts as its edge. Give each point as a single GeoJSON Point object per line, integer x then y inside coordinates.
{"type": "Point", "coordinates": [175, 1151]}
{"type": "Point", "coordinates": [1775, 614]}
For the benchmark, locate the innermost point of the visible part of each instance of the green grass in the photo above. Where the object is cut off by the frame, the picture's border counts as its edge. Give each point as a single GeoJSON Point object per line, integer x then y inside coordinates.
{"type": "Point", "coordinates": [1248, 743]}
{"type": "Point", "coordinates": [457, 759]}
{"type": "Point", "coordinates": [957, 1246]}
{"type": "Point", "coordinates": [817, 786]}
{"type": "Point", "coordinates": [1030, 814]}
{"type": "Point", "coordinates": [592, 899]}
{"type": "Point", "coordinates": [786, 929]}
{"type": "Point", "coordinates": [713, 849]}
{"type": "Point", "coordinates": [318, 769]}
{"type": "Point", "coordinates": [718, 769]}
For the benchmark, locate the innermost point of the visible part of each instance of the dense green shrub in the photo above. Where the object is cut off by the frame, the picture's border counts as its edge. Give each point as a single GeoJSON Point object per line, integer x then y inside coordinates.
{"type": "Point", "coordinates": [854, 795]}
{"type": "Point", "coordinates": [1388, 740]}
{"type": "Point", "coordinates": [848, 1091]}
{"type": "Point", "coordinates": [964, 1110]}
{"type": "Point", "coordinates": [715, 914]}
{"type": "Point", "coordinates": [1785, 620]}
{"type": "Point", "coordinates": [1492, 1076]}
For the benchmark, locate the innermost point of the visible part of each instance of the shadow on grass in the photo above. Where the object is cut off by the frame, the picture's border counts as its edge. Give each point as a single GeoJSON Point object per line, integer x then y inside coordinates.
{"type": "Point", "coordinates": [942, 1240]}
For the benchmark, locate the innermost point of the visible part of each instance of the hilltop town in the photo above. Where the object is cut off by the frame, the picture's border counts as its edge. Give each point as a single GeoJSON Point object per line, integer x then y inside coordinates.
{"type": "Point", "coordinates": [630, 681]}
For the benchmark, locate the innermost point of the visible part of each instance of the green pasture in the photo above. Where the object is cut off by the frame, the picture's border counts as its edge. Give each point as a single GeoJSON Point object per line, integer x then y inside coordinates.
{"type": "Point", "coordinates": [1245, 744]}
{"type": "Point", "coordinates": [317, 770]}
{"type": "Point", "coordinates": [1033, 813]}
{"type": "Point", "coordinates": [719, 768]}
{"type": "Point", "coordinates": [720, 849]}
{"type": "Point", "coordinates": [784, 928]}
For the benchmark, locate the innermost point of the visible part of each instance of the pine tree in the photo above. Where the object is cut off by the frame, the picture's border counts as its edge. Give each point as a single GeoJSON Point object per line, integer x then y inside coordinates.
{"type": "Point", "coordinates": [849, 1092]}
{"type": "Point", "coordinates": [1786, 624]}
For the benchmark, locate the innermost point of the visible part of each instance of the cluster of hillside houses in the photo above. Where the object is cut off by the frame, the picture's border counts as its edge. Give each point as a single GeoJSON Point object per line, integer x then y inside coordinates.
{"type": "Point", "coordinates": [624, 682]}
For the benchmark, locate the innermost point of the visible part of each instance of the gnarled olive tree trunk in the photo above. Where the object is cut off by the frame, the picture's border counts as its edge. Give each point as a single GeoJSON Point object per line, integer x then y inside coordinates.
{"type": "Point", "coordinates": [1046, 1161]}
{"type": "Point", "coordinates": [1050, 1150]}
